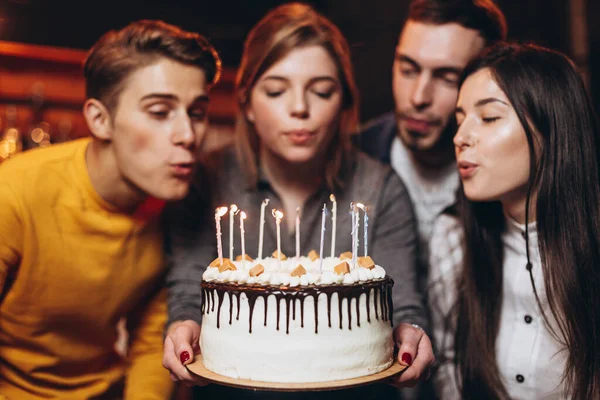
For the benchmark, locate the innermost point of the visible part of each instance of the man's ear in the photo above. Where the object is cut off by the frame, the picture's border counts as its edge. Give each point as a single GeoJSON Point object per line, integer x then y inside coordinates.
{"type": "Point", "coordinates": [98, 119]}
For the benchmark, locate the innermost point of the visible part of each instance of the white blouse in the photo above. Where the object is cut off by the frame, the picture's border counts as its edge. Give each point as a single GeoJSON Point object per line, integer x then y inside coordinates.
{"type": "Point", "coordinates": [530, 359]}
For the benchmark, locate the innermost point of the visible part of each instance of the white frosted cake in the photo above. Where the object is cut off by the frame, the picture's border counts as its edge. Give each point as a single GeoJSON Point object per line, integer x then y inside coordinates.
{"type": "Point", "coordinates": [296, 320]}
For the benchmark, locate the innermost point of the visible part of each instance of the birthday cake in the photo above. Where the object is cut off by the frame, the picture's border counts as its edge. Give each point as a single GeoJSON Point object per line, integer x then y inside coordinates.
{"type": "Point", "coordinates": [298, 319]}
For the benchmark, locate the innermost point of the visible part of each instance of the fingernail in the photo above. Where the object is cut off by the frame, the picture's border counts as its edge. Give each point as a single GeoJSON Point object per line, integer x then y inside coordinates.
{"type": "Point", "coordinates": [186, 356]}
{"type": "Point", "coordinates": [406, 359]}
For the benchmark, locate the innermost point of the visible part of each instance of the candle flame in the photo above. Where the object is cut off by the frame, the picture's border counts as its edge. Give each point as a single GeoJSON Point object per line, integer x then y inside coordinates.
{"type": "Point", "coordinates": [332, 197]}
{"type": "Point", "coordinates": [277, 214]}
{"type": "Point", "coordinates": [242, 215]}
{"type": "Point", "coordinates": [233, 209]}
{"type": "Point", "coordinates": [220, 211]}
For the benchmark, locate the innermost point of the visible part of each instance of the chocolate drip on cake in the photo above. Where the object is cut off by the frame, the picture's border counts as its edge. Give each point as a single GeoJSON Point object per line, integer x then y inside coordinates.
{"type": "Point", "coordinates": [329, 310]}
{"type": "Point", "coordinates": [287, 312]}
{"type": "Point", "coordinates": [382, 300]}
{"type": "Point", "coordinates": [237, 296]}
{"type": "Point", "coordinates": [301, 314]}
{"type": "Point", "coordinates": [357, 312]}
{"type": "Point", "coordinates": [251, 302]}
{"type": "Point", "coordinates": [278, 300]}
{"type": "Point", "coordinates": [375, 303]}
{"type": "Point", "coordinates": [368, 308]}
{"type": "Point", "coordinates": [220, 296]}
{"type": "Point", "coordinates": [266, 309]}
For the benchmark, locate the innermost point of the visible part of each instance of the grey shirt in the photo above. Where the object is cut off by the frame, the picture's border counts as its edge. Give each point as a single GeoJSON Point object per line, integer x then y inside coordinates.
{"type": "Point", "coordinates": [392, 233]}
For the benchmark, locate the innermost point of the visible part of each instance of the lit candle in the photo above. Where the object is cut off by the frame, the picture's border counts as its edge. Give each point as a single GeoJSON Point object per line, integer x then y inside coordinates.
{"type": "Point", "coordinates": [261, 229]}
{"type": "Point", "coordinates": [333, 223]}
{"type": "Point", "coordinates": [232, 211]}
{"type": "Point", "coordinates": [278, 215]}
{"type": "Point", "coordinates": [352, 227]}
{"type": "Point", "coordinates": [219, 212]}
{"type": "Point", "coordinates": [324, 215]}
{"type": "Point", "coordinates": [365, 226]}
{"type": "Point", "coordinates": [242, 218]}
{"type": "Point", "coordinates": [297, 232]}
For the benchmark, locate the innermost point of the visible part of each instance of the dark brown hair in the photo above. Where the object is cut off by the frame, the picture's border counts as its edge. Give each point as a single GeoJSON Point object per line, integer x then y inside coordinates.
{"type": "Point", "coordinates": [483, 16]}
{"type": "Point", "coordinates": [549, 97]}
{"type": "Point", "coordinates": [282, 30]}
{"type": "Point", "coordinates": [119, 53]}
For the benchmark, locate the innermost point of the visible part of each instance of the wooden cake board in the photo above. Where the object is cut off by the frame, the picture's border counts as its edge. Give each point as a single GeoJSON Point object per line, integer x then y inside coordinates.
{"type": "Point", "coordinates": [197, 368]}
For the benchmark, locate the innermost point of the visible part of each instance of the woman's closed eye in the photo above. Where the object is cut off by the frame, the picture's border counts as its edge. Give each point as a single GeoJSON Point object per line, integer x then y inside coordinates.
{"type": "Point", "coordinates": [159, 112]}
{"type": "Point", "coordinates": [323, 90]}
{"type": "Point", "coordinates": [324, 94]}
{"type": "Point", "coordinates": [274, 93]}
{"type": "Point", "coordinates": [489, 120]}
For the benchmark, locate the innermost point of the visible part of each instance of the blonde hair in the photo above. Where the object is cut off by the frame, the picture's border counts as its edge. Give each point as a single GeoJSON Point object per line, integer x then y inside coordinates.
{"type": "Point", "coordinates": [282, 30]}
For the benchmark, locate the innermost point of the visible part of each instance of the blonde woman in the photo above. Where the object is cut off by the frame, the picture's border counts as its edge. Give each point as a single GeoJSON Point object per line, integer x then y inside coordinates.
{"type": "Point", "coordinates": [298, 104]}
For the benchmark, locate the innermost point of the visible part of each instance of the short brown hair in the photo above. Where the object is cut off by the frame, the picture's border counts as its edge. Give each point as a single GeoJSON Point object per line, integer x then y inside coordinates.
{"type": "Point", "coordinates": [484, 16]}
{"type": "Point", "coordinates": [282, 30]}
{"type": "Point", "coordinates": [118, 53]}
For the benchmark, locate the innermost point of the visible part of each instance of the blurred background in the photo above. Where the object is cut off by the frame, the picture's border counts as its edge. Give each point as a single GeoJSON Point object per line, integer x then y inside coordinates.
{"type": "Point", "coordinates": [43, 42]}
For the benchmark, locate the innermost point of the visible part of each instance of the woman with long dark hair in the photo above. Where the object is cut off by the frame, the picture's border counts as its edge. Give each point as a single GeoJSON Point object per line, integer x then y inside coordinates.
{"type": "Point", "coordinates": [514, 283]}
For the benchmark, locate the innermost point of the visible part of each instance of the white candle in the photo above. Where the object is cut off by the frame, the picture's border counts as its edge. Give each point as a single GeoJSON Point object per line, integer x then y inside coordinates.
{"type": "Point", "coordinates": [355, 234]}
{"type": "Point", "coordinates": [333, 223]}
{"type": "Point", "coordinates": [278, 215]}
{"type": "Point", "coordinates": [352, 214]}
{"type": "Point", "coordinates": [261, 227]}
{"type": "Point", "coordinates": [297, 232]}
{"type": "Point", "coordinates": [219, 212]}
{"type": "Point", "coordinates": [242, 218]}
{"type": "Point", "coordinates": [365, 226]}
{"type": "Point", "coordinates": [323, 222]}
{"type": "Point", "coordinates": [352, 226]}
{"type": "Point", "coordinates": [232, 211]}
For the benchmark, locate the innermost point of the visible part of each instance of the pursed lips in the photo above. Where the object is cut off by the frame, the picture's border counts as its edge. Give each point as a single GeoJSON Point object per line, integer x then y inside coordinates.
{"type": "Point", "coordinates": [466, 168]}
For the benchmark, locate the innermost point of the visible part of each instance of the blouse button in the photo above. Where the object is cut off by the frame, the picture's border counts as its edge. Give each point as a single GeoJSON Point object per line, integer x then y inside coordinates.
{"type": "Point", "coordinates": [528, 319]}
{"type": "Point", "coordinates": [520, 378]}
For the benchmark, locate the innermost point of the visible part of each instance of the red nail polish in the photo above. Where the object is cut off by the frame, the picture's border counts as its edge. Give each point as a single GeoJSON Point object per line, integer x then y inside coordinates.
{"type": "Point", "coordinates": [407, 359]}
{"type": "Point", "coordinates": [186, 356]}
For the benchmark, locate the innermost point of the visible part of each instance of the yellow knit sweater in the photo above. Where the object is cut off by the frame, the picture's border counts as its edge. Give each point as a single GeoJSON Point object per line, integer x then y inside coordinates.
{"type": "Point", "coordinates": [71, 266]}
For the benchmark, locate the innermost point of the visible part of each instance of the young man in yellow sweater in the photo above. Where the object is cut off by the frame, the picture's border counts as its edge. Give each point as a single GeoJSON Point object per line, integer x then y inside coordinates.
{"type": "Point", "coordinates": [80, 241]}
